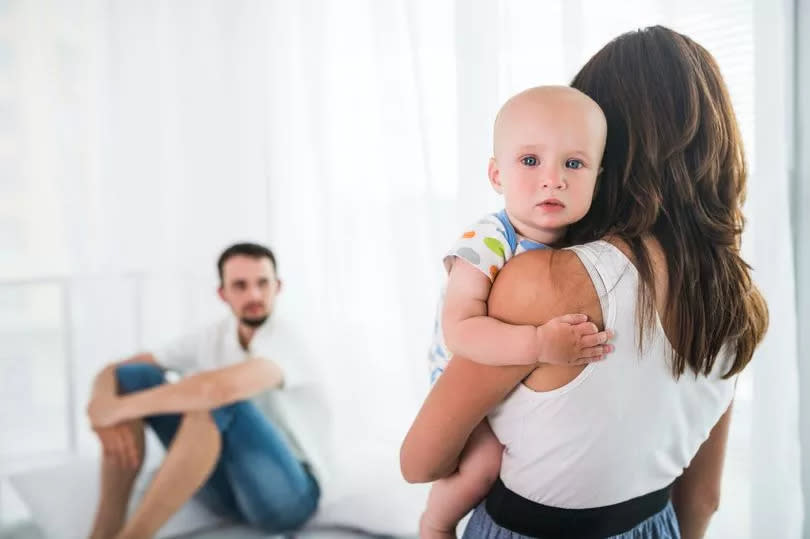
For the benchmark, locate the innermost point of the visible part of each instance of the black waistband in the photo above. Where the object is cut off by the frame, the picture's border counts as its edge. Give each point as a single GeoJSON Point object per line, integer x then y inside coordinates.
{"type": "Point", "coordinates": [513, 512]}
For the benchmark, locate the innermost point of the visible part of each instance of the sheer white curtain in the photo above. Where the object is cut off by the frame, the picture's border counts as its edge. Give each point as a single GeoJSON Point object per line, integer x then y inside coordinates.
{"type": "Point", "coordinates": [776, 487]}
{"type": "Point", "coordinates": [353, 137]}
{"type": "Point", "coordinates": [801, 223]}
{"type": "Point", "coordinates": [150, 135]}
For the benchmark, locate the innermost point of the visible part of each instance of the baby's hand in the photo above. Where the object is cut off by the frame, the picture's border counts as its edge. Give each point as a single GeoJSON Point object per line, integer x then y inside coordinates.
{"type": "Point", "coordinates": [572, 340]}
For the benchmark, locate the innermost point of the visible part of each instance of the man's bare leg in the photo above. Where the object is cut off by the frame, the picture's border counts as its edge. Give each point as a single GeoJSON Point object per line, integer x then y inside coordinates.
{"type": "Point", "coordinates": [189, 461]}
{"type": "Point", "coordinates": [116, 486]}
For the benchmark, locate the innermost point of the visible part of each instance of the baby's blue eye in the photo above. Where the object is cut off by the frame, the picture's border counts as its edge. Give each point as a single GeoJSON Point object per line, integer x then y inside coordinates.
{"type": "Point", "coordinates": [574, 163]}
{"type": "Point", "coordinates": [529, 161]}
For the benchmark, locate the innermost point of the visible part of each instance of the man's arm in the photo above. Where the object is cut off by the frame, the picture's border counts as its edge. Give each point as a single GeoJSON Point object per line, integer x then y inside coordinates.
{"type": "Point", "coordinates": [204, 391]}
{"type": "Point", "coordinates": [696, 493]}
{"type": "Point", "coordinates": [105, 383]}
{"type": "Point", "coordinates": [118, 442]}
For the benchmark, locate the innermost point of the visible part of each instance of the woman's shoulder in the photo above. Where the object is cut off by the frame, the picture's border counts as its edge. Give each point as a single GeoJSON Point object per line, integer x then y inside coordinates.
{"type": "Point", "coordinates": [541, 284]}
{"type": "Point", "coordinates": [557, 281]}
{"type": "Point", "coordinates": [654, 249]}
{"type": "Point", "coordinates": [658, 262]}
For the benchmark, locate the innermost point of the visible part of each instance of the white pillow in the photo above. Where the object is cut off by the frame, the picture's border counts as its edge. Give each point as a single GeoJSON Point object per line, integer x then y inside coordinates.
{"type": "Point", "coordinates": [368, 494]}
{"type": "Point", "coordinates": [62, 501]}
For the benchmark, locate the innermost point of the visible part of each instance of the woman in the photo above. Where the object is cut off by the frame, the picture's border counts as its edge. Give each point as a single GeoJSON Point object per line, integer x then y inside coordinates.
{"type": "Point", "coordinates": [620, 447]}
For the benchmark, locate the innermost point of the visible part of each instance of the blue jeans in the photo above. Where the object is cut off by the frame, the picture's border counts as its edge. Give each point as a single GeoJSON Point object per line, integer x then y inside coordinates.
{"type": "Point", "coordinates": [257, 479]}
{"type": "Point", "coordinates": [663, 525]}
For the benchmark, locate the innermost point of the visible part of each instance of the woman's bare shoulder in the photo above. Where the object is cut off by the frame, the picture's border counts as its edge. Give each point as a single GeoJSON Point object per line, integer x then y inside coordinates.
{"type": "Point", "coordinates": [539, 285]}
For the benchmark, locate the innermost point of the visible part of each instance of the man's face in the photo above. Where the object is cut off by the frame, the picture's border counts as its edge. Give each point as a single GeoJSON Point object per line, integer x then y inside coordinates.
{"type": "Point", "coordinates": [249, 287]}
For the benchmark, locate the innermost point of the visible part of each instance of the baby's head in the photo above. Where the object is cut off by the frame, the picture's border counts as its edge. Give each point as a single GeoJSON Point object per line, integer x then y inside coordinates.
{"type": "Point", "coordinates": [548, 144]}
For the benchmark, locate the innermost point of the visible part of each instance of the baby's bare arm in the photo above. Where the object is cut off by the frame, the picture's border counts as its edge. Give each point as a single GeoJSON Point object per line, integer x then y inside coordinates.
{"type": "Point", "coordinates": [468, 331]}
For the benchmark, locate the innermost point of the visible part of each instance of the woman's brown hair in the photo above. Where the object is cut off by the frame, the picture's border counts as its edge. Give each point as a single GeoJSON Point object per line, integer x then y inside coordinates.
{"type": "Point", "coordinates": [674, 168]}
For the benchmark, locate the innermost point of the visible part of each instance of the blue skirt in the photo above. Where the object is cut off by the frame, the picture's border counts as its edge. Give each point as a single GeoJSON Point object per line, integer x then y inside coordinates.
{"type": "Point", "coordinates": [663, 525]}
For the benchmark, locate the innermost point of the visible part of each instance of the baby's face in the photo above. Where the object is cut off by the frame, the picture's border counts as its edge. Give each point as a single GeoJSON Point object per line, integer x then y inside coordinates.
{"type": "Point", "coordinates": [548, 148]}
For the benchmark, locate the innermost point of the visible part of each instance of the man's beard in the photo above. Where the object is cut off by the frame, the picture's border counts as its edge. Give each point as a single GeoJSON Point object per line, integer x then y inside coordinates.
{"type": "Point", "coordinates": [254, 322]}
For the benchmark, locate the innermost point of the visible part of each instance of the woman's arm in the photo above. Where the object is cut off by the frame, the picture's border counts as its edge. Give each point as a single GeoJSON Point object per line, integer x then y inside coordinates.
{"type": "Point", "coordinates": [696, 493]}
{"type": "Point", "coordinates": [531, 289]}
{"type": "Point", "coordinates": [458, 402]}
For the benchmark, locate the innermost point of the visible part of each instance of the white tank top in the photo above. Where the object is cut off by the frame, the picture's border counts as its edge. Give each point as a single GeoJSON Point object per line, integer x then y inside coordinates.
{"type": "Point", "coordinates": [624, 427]}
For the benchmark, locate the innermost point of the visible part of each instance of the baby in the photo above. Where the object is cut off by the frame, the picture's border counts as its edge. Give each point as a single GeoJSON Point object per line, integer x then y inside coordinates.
{"type": "Point", "coordinates": [548, 144]}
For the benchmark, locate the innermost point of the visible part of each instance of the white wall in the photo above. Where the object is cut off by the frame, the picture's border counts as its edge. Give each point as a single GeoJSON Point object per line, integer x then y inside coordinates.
{"type": "Point", "coordinates": [801, 229]}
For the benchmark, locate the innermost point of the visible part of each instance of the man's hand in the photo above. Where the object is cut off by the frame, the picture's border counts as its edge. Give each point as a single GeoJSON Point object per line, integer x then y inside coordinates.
{"type": "Point", "coordinates": [572, 340]}
{"type": "Point", "coordinates": [103, 410]}
{"type": "Point", "coordinates": [121, 443]}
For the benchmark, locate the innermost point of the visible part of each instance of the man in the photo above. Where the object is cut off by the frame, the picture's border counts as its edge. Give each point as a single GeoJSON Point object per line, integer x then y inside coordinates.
{"type": "Point", "coordinates": [237, 426]}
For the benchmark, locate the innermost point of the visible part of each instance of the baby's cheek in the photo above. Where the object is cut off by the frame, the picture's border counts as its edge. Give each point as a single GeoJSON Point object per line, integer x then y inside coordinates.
{"type": "Point", "coordinates": [582, 205]}
{"type": "Point", "coordinates": [515, 193]}
{"type": "Point", "coordinates": [527, 188]}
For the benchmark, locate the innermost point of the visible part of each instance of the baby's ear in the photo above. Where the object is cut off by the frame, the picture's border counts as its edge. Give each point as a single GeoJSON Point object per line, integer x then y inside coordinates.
{"type": "Point", "coordinates": [494, 174]}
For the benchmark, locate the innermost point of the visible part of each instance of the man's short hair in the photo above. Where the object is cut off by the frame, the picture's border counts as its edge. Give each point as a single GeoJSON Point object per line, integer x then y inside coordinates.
{"type": "Point", "coordinates": [253, 250]}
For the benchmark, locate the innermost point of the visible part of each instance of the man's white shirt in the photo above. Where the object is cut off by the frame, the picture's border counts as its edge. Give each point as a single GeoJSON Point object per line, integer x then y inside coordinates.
{"type": "Point", "coordinates": [297, 408]}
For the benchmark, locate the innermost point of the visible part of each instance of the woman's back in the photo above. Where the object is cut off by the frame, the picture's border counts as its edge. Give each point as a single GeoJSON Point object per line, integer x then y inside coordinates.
{"type": "Point", "coordinates": [622, 427]}
{"type": "Point", "coordinates": [673, 173]}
